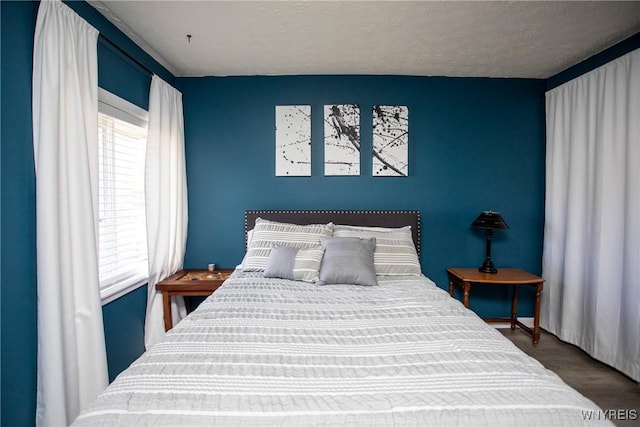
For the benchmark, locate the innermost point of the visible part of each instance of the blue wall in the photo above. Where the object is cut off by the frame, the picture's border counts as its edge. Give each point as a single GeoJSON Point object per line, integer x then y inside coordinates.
{"type": "Point", "coordinates": [123, 318]}
{"type": "Point", "coordinates": [18, 218]}
{"type": "Point", "coordinates": [474, 144]}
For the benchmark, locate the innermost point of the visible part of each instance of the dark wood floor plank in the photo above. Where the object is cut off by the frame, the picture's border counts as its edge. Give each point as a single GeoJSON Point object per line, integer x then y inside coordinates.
{"type": "Point", "coordinates": [604, 385]}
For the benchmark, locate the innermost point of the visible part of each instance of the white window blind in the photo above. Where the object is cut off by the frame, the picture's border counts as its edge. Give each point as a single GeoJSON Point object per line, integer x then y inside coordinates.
{"type": "Point", "coordinates": [122, 244]}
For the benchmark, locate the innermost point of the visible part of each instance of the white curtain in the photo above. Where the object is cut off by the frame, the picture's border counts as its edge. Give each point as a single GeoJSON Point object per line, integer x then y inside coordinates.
{"type": "Point", "coordinates": [72, 365]}
{"type": "Point", "coordinates": [591, 260]}
{"type": "Point", "coordinates": [166, 201]}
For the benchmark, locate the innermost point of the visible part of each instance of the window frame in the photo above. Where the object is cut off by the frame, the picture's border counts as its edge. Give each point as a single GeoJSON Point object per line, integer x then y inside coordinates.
{"type": "Point", "coordinates": [121, 109]}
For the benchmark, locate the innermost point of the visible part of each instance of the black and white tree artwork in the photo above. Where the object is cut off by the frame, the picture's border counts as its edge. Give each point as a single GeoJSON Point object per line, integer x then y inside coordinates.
{"type": "Point", "coordinates": [342, 139]}
{"type": "Point", "coordinates": [293, 140]}
{"type": "Point", "coordinates": [390, 140]}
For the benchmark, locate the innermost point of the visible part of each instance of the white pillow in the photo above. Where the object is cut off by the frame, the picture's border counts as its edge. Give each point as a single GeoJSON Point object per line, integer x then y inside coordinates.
{"type": "Point", "coordinates": [395, 253]}
{"type": "Point", "coordinates": [267, 234]}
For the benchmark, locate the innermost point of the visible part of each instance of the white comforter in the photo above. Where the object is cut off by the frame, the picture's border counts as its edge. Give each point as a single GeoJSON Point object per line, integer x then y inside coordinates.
{"type": "Point", "coordinates": [277, 352]}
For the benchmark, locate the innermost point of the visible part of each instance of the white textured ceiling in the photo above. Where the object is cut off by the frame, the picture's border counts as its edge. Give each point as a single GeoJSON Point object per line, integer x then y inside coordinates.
{"type": "Point", "coordinates": [533, 39]}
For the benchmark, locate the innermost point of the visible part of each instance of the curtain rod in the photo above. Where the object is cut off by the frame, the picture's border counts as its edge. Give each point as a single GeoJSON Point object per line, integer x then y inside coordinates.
{"type": "Point", "coordinates": [126, 54]}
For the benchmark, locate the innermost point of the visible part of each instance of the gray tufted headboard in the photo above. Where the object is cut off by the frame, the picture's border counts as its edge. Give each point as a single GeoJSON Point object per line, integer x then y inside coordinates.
{"type": "Point", "coordinates": [392, 219]}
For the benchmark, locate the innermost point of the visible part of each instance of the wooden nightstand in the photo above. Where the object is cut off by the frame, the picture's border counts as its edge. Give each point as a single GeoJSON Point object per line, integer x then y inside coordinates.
{"type": "Point", "coordinates": [504, 277]}
{"type": "Point", "coordinates": [189, 283]}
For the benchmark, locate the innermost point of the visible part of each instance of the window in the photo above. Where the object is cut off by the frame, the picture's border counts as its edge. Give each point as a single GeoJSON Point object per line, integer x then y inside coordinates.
{"type": "Point", "coordinates": [122, 242]}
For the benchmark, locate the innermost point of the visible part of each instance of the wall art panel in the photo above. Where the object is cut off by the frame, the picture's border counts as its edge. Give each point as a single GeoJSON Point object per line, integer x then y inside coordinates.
{"type": "Point", "coordinates": [293, 140]}
{"type": "Point", "coordinates": [342, 139]}
{"type": "Point", "coordinates": [390, 140]}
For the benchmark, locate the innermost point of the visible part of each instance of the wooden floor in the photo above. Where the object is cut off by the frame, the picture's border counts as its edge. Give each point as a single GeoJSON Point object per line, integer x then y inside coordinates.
{"type": "Point", "coordinates": [605, 386]}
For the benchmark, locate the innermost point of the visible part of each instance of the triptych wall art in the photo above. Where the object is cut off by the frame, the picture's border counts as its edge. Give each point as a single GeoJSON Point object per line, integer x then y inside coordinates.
{"type": "Point", "coordinates": [390, 154]}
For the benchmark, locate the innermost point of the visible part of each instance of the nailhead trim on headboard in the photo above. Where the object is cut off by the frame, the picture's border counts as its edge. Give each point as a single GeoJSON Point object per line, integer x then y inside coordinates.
{"type": "Point", "coordinates": [325, 216]}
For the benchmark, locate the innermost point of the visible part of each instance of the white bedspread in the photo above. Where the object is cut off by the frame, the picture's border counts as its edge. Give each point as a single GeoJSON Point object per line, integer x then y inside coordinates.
{"type": "Point", "coordinates": [276, 352]}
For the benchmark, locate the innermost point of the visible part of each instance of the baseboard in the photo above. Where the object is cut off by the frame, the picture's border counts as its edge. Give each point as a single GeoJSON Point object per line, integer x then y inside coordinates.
{"type": "Point", "coordinates": [528, 321]}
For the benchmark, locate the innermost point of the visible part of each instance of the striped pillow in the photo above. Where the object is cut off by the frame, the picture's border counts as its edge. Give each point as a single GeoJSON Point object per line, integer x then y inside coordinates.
{"type": "Point", "coordinates": [395, 253]}
{"type": "Point", "coordinates": [288, 262]}
{"type": "Point", "coordinates": [267, 234]}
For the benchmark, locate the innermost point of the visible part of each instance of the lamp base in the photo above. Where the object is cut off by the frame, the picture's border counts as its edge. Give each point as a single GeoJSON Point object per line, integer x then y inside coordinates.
{"type": "Point", "coordinates": [488, 267]}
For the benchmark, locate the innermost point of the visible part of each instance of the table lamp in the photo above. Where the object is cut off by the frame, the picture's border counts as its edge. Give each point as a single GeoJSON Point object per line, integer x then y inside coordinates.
{"type": "Point", "coordinates": [489, 220]}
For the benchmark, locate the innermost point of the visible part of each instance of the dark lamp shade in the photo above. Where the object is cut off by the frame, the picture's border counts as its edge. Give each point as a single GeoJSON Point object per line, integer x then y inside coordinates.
{"type": "Point", "coordinates": [490, 220]}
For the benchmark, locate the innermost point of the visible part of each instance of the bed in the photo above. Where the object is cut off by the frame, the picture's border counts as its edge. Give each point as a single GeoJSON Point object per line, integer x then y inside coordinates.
{"type": "Point", "coordinates": [303, 351]}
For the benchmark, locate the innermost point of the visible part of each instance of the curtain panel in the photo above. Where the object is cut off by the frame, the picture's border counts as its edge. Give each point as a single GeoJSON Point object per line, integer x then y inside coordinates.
{"type": "Point", "coordinates": [591, 260]}
{"type": "Point", "coordinates": [71, 362]}
{"type": "Point", "coordinates": [166, 201]}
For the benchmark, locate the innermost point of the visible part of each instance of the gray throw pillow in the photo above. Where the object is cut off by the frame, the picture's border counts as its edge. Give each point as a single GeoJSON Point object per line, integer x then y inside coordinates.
{"type": "Point", "coordinates": [348, 260]}
{"type": "Point", "coordinates": [292, 263]}
{"type": "Point", "coordinates": [281, 261]}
